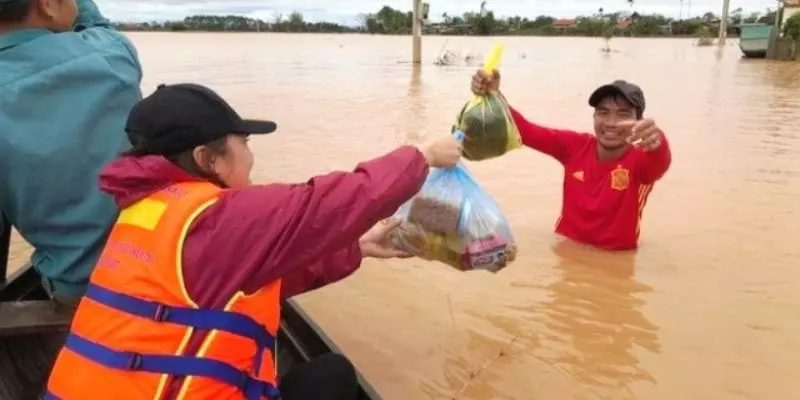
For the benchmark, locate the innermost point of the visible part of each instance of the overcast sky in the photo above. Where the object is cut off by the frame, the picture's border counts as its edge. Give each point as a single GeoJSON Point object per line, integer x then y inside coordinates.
{"type": "Point", "coordinates": [347, 11]}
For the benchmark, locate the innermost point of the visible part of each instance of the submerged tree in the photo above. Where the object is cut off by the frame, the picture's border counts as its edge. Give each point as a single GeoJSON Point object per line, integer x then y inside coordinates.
{"type": "Point", "coordinates": [608, 33]}
{"type": "Point", "coordinates": [792, 30]}
{"type": "Point", "coordinates": [606, 29]}
{"type": "Point", "coordinates": [704, 36]}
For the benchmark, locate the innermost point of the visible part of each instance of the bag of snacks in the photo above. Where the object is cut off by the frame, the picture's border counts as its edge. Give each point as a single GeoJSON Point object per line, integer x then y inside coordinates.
{"type": "Point", "coordinates": [453, 220]}
{"type": "Point", "coordinates": [486, 121]}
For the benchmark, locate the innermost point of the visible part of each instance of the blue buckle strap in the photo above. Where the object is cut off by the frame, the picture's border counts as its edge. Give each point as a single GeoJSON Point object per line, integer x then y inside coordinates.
{"type": "Point", "coordinates": [227, 321]}
{"type": "Point", "coordinates": [253, 389]}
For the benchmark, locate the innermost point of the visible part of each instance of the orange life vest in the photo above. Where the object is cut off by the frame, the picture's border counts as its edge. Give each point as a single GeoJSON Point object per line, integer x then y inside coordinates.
{"type": "Point", "coordinates": [129, 335]}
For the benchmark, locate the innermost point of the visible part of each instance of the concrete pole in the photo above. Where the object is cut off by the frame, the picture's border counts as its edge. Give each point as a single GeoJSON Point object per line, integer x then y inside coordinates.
{"type": "Point", "coordinates": [776, 33]}
{"type": "Point", "coordinates": [723, 23]}
{"type": "Point", "coordinates": [416, 31]}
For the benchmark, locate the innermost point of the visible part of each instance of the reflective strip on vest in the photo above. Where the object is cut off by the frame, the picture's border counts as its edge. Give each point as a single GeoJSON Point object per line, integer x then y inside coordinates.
{"type": "Point", "coordinates": [231, 322]}
{"type": "Point", "coordinates": [252, 388]}
{"type": "Point", "coordinates": [138, 333]}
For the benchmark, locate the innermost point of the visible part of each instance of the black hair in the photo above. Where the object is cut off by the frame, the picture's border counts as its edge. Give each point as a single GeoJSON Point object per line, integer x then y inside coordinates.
{"type": "Point", "coordinates": [14, 11]}
{"type": "Point", "coordinates": [185, 159]}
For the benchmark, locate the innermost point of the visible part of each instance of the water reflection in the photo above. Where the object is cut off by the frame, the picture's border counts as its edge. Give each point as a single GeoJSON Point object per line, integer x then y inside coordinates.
{"type": "Point", "coordinates": [595, 319]}
{"type": "Point", "coordinates": [416, 80]}
{"type": "Point", "coordinates": [477, 367]}
{"type": "Point", "coordinates": [414, 115]}
{"type": "Point", "coordinates": [780, 75]}
{"type": "Point", "coordinates": [588, 331]}
{"type": "Point", "coordinates": [719, 53]}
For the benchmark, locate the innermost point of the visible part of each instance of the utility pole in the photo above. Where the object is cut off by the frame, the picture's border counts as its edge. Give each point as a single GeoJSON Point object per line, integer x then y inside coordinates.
{"type": "Point", "coordinates": [776, 31]}
{"type": "Point", "coordinates": [416, 31]}
{"type": "Point", "coordinates": [723, 23]}
{"type": "Point", "coordinates": [778, 24]}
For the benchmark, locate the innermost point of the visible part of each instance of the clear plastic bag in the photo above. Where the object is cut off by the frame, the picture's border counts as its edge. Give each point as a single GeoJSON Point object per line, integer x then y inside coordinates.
{"type": "Point", "coordinates": [486, 120]}
{"type": "Point", "coordinates": [455, 221]}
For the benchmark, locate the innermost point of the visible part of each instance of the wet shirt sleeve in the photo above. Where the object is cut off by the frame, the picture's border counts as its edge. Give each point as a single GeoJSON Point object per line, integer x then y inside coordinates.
{"type": "Point", "coordinates": [558, 143]}
{"type": "Point", "coordinates": [654, 164]}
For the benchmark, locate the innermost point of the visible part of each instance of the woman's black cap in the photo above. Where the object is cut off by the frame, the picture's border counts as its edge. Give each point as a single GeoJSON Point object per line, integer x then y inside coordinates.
{"type": "Point", "coordinates": [180, 117]}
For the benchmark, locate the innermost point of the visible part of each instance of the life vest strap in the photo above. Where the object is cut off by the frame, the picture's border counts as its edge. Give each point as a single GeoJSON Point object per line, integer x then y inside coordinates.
{"type": "Point", "coordinates": [252, 388]}
{"type": "Point", "coordinates": [228, 321]}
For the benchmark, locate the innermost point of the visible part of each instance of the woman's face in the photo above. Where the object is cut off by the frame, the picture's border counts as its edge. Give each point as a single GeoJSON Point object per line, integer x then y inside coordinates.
{"type": "Point", "coordinates": [232, 166]}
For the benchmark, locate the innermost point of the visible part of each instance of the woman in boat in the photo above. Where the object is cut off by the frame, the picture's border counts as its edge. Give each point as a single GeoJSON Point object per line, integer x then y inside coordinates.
{"type": "Point", "coordinates": [185, 299]}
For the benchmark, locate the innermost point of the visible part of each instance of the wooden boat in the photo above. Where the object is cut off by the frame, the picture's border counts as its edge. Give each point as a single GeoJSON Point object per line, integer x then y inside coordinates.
{"type": "Point", "coordinates": [754, 39]}
{"type": "Point", "coordinates": [30, 327]}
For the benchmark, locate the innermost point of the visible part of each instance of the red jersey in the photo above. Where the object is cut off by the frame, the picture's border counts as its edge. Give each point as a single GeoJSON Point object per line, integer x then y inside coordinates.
{"type": "Point", "coordinates": [603, 200]}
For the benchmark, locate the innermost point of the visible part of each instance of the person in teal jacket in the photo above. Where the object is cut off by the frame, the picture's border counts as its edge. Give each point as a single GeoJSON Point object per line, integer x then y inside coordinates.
{"type": "Point", "coordinates": [67, 83]}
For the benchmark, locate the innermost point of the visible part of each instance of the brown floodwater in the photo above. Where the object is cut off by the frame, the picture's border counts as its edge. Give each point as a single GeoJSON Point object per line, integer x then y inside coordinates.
{"type": "Point", "coordinates": [709, 307]}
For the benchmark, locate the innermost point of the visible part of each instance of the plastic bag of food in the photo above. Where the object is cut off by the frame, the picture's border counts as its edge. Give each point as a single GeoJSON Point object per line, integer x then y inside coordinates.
{"type": "Point", "coordinates": [455, 221]}
{"type": "Point", "coordinates": [486, 121]}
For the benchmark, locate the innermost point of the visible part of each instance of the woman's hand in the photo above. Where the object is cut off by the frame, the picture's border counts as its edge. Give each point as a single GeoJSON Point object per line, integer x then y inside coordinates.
{"type": "Point", "coordinates": [443, 152]}
{"type": "Point", "coordinates": [375, 243]}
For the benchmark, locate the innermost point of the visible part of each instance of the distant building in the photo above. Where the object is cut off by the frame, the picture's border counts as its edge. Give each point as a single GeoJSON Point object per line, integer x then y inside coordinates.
{"type": "Point", "coordinates": [561, 25]}
{"type": "Point", "coordinates": [445, 29]}
{"type": "Point", "coordinates": [624, 24]}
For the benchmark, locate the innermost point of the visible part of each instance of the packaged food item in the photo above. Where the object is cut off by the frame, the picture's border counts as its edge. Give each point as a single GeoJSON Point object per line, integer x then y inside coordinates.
{"type": "Point", "coordinates": [453, 220]}
{"type": "Point", "coordinates": [486, 121]}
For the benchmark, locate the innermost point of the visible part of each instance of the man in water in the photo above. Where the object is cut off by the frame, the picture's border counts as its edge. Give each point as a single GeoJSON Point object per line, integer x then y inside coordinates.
{"type": "Point", "coordinates": [607, 176]}
{"type": "Point", "coordinates": [67, 85]}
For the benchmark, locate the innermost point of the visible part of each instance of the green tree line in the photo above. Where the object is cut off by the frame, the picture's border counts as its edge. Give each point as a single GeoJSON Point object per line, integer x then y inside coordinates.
{"type": "Point", "coordinates": [397, 22]}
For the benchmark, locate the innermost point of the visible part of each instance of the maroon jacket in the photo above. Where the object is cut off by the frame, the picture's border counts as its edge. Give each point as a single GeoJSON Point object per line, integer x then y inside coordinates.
{"type": "Point", "coordinates": [306, 234]}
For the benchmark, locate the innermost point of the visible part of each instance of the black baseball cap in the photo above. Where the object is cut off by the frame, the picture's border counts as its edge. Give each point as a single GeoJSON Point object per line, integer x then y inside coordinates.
{"type": "Point", "coordinates": [4, 2]}
{"type": "Point", "coordinates": [630, 92]}
{"type": "Point", "coordinates": [177, 118]}
{"type": "Point", "coordinates": [13, 4]}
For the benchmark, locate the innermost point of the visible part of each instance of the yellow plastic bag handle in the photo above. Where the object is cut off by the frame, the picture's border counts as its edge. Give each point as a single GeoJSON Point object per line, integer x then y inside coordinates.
{"type": "Point", "coordinates": [492, 62]}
